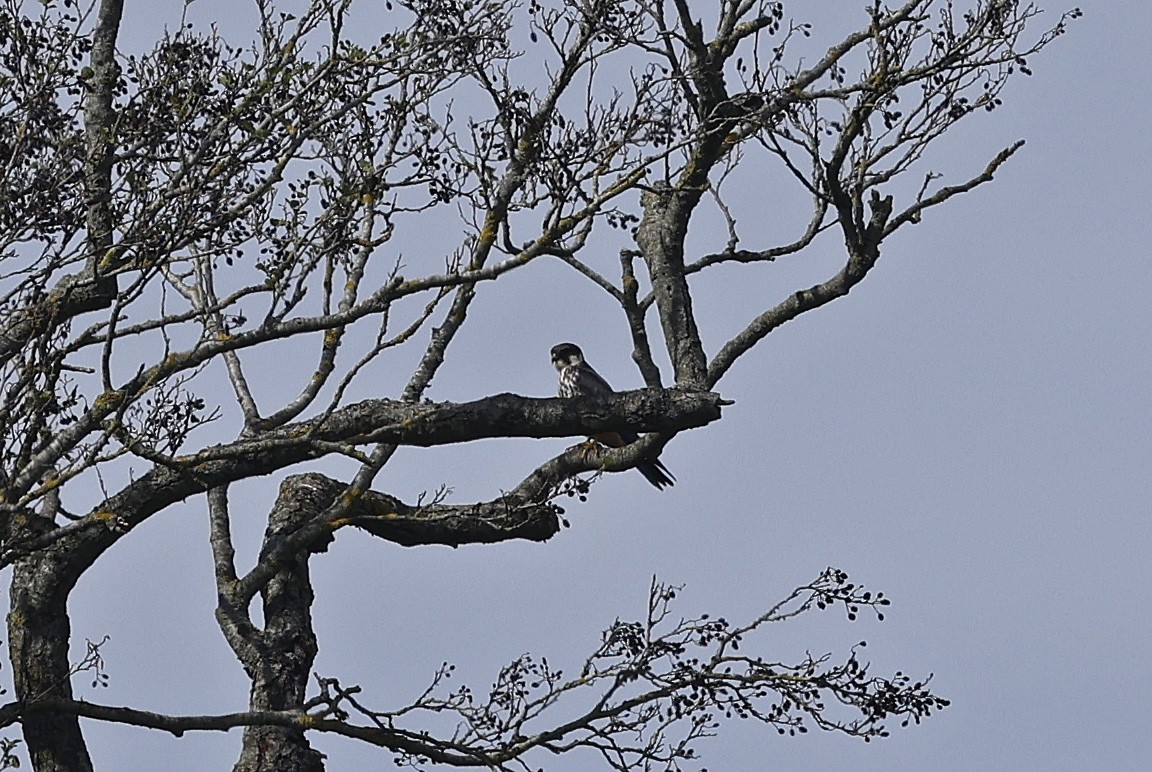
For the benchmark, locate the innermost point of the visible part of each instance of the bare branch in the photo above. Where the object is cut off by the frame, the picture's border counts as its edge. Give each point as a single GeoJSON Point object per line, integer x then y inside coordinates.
{"type": "Point", "coordinates": [655, 685]}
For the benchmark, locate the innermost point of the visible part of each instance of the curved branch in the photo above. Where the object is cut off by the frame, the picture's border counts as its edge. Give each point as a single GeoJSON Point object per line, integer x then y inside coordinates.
{"type": "Point", "coordinates": [853, 272]}
{"type": "Point", "coordinates": [634, 312]}
{"type": "Point", "coordinates": [503, 519]}
{"type": "Point", "coordinates": [914, 212]}
{"type": "Point", "coordinates": [527, 512]}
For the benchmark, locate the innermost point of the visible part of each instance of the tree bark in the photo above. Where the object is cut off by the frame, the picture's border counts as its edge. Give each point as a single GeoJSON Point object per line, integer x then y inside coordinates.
{"type": "Point", "coordinates": [38, 636]}
{"type": "Point", "coordinates": [280, 660]}
{"type": "Point", "coordinates": [660, 236]}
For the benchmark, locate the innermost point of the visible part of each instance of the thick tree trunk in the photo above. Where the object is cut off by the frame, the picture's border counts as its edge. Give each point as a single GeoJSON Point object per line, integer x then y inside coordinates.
{"type": "Point", "coordinates": [285, 649]}
{"type": "Point", "coordinates": [660, 236]}
{"type": "Point", "coordinates": [38, 635]}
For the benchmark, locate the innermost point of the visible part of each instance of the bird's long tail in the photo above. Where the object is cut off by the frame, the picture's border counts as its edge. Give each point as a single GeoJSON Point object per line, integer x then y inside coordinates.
{"type": "Point", "coordinates": [656, 473]}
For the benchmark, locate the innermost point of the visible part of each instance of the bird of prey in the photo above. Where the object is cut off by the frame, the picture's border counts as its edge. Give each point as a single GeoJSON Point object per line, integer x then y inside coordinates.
{"type": "Point", "coordinates": [578, 378]}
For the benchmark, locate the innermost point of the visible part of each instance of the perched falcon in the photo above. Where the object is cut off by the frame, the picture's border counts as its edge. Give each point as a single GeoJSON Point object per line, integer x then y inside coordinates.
{"type": "Point", "coordinates": [578, 378]}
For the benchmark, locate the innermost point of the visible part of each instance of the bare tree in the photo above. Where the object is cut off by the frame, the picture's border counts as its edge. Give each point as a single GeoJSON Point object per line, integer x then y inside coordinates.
{"type": "Point", "coordinates": [170, 215]}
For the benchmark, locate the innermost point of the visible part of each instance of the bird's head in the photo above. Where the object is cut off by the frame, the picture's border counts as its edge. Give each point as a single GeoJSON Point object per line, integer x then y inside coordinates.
{"type": "Point", "coordinates": [565, 355]}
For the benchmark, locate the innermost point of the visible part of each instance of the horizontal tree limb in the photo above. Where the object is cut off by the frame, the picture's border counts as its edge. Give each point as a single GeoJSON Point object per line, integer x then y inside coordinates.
{"type": "Point", "coordinates": [374, 421]}
{"type": "Point", "coordinates": [396, 740]}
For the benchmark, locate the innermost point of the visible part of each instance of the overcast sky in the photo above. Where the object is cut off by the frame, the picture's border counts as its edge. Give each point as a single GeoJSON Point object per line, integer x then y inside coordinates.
{"type": "Point", "coordinates": [970, 431]}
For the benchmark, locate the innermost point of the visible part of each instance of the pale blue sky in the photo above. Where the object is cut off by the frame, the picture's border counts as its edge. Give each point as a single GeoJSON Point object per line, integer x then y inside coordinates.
{"type": "Point", "coordinates": [970, 431]}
